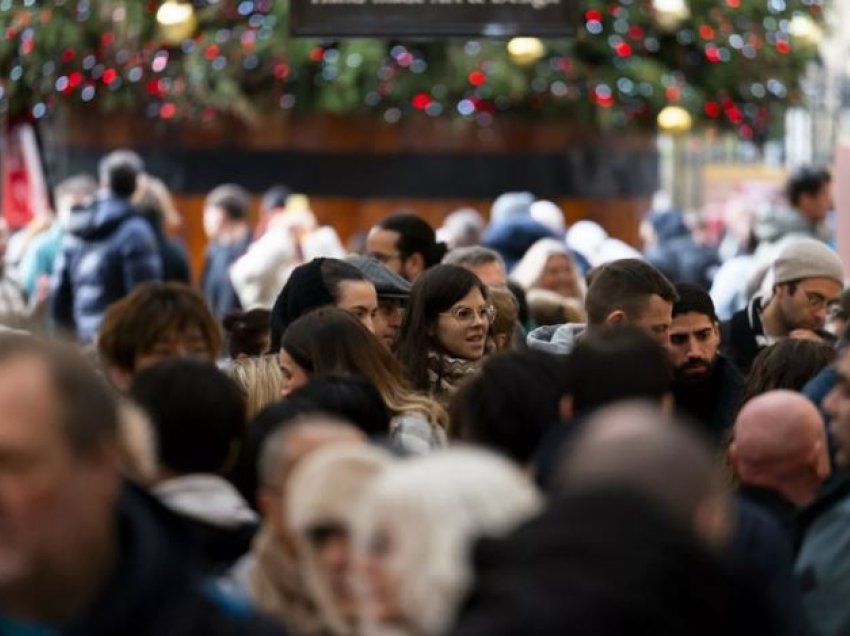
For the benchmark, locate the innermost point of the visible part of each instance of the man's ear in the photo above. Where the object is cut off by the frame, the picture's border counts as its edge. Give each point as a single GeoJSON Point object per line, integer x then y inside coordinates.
{"type": "Point", "coordinates": [122, 379]}
{"type": "Point", "coordinates": [819, 459]}
{"type": "Point", "coordinates": [566, 410]}
{"type": "Point", "coordinates": [732, 454]}
{"type": "Point", "coordinates": [616, 318]}
{"type": "Point", "coordinates": [718, 331]}
{"type": "Point", "coordinates": [414, 266]}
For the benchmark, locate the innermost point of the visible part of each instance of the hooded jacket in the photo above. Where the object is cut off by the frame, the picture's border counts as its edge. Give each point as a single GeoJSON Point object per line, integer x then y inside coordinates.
{"type": "Point", "coordinates": [743, 335]}
{"type": "Point", "coordinates": [560, 339]}
{"type": "Point", "coordinates": [109, 249]}
{"type": "Point", "coordinates": [676, 255]}
{"type": "Point", "coordinates": [512, 236]}
{"type": "Point", "coordinates": [220, 520]}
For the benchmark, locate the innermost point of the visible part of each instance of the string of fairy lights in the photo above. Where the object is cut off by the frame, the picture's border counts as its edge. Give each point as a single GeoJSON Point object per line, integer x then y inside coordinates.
{"type": "Point", "coordinates": [731, 63]}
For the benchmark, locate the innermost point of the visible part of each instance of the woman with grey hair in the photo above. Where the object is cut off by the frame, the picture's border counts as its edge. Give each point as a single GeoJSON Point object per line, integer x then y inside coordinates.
{"type": "Point", "coordinates": [549, 265]}
{"type": "Point", "coordinates": [416, 529]}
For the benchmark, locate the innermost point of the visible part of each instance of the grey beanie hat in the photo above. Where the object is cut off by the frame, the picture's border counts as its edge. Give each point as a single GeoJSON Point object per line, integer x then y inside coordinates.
{"type": "Point", "coordinates": [387, 283]}
{"type": "Point", "coordinates": [807, 258]}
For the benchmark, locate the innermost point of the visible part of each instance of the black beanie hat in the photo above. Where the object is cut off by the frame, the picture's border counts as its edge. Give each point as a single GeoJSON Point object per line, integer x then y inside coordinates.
{"type": "Point", "coordinates": [305, 290]}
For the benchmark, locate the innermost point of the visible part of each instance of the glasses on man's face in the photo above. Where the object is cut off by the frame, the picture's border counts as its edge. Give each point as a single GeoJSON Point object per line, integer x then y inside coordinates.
{"type": "Point", "coordinates": [816, 301]}
{"type": "Point", "coordinates": [466, 315]}
{"type": "Point", "coordinates": [392, 307]}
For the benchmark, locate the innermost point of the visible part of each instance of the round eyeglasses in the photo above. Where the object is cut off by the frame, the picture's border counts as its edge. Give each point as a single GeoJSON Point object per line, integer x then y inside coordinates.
{"type": "Point", "coordinates": [466, 315]}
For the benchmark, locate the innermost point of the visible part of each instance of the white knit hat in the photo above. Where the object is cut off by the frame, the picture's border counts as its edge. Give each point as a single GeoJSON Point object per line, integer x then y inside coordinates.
{"type": "Point", "coordinates": [807, 258]}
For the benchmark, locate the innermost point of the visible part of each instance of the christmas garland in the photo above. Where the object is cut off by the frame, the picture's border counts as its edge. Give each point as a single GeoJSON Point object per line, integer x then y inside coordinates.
{"type": "Point", "coordinates": [733, 63]}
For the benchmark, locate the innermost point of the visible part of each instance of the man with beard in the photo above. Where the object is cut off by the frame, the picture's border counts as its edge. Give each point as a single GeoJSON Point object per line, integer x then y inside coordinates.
{"type": "Point", "coordinates": [706, 385]}
{"type": "Point", "coordinates": [807, 278]}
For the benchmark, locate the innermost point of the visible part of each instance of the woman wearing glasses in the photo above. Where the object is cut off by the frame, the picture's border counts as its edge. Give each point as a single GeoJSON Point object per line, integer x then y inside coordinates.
{"type": "Point", "coordinates": [444, 336]}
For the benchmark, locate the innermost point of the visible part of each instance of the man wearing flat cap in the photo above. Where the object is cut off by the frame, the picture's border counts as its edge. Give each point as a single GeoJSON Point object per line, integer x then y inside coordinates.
{"type": "Point", "coordinates": [808, 278]}
{"type": "Point", "coordinates": [393, 291]}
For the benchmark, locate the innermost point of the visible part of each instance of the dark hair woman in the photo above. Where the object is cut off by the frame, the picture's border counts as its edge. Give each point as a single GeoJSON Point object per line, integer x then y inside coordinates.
{"type": "Point", "coordinates": [329, 340]}
{"type": "Point", "coordinates": [788, 364]}
{"type": "Point", "coordinates": [323, 281]}
{"type": "Point", "coordinates": [444, 334]}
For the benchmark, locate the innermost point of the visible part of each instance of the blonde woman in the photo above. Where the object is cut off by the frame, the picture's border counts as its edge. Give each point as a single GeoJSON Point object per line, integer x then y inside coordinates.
{"type": "Point", "coordinates": [548, 265]}
{"type": "Point", "coordinates": [259, 378]}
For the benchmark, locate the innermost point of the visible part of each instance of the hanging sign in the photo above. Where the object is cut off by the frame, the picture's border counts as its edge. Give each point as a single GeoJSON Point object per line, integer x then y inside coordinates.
{"type": "Point", "coordinates": [435, 18]}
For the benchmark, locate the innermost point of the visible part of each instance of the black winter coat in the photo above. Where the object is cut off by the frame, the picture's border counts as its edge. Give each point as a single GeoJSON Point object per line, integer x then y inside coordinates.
{"type": "Point", "coordinates": [156, 588]}
{"type": "Point", "coordinates": [108, 250]}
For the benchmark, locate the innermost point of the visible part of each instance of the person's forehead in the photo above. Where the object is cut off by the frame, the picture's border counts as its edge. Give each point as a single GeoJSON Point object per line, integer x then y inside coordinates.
{"type": "Point", "coordinates": [473, 296]}
{"type": "Point", "coordinates": [358, 291]}
{"type": "Point", "coordinates": [305, 439]}
{"type": "Point", "coordinates": [486, 266]}
{"type": "Point", "coordinates": [491, 273]}
{"type": "Point", "coordinates": [690, 322]}
{"type": "Point", "coordinates": [656, 307]}
{"type": "Point", "coordinates": [827, 287]}
{"type": "Point", "coordinates": [26, 396]}
{"type": "Point", "coordinates": [557, 259]}
{"type": "Point", "coordinates": [382, 236]}
{"type": "Point", "coordinates": [189, 331]}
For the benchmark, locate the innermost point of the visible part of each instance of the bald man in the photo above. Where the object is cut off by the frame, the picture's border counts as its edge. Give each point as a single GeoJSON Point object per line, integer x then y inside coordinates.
{"type": "Point", "coordinates": [779, 455]}
{"type": "Point", "coordinates": [270, 576]}
{"type": "Point", "coordinates": [639, 446]}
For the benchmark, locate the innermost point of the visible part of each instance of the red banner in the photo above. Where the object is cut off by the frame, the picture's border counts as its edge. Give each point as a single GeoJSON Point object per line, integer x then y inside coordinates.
{"type": "Point", "coordinates": [23, 186]}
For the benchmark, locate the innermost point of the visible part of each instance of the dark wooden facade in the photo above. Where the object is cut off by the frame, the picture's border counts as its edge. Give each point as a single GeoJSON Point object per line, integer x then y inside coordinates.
{"type": "Point", "coordinates": [357, 170]}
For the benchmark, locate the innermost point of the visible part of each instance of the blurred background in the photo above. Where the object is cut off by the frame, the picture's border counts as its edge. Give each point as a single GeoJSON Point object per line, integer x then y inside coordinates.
{"type": "Point", "coordinates": [699, 105]}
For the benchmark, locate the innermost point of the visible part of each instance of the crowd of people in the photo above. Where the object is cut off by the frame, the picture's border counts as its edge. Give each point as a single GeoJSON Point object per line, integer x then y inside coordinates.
{"type": "Point", "coordinates": [502, 427]}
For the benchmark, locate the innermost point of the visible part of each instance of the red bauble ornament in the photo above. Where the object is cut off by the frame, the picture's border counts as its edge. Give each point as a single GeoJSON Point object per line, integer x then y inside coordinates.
{"type": "Point", "coordinates": [476, 78]}
{"type": "Point", "coordinates": [421, 101]}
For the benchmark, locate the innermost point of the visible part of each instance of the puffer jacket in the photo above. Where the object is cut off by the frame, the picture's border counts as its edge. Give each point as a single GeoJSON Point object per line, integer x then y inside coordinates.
{"type": "Point", "coordinates": [108, 250]}
{"type": "Point", "coordinates": [512, 237]}
{"type": "Point", "coordinates": [676, 254]}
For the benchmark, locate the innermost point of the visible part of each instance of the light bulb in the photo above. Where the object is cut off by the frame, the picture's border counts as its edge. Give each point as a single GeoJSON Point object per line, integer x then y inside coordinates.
{"type": "Point", "coordinates": [526, 51]}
